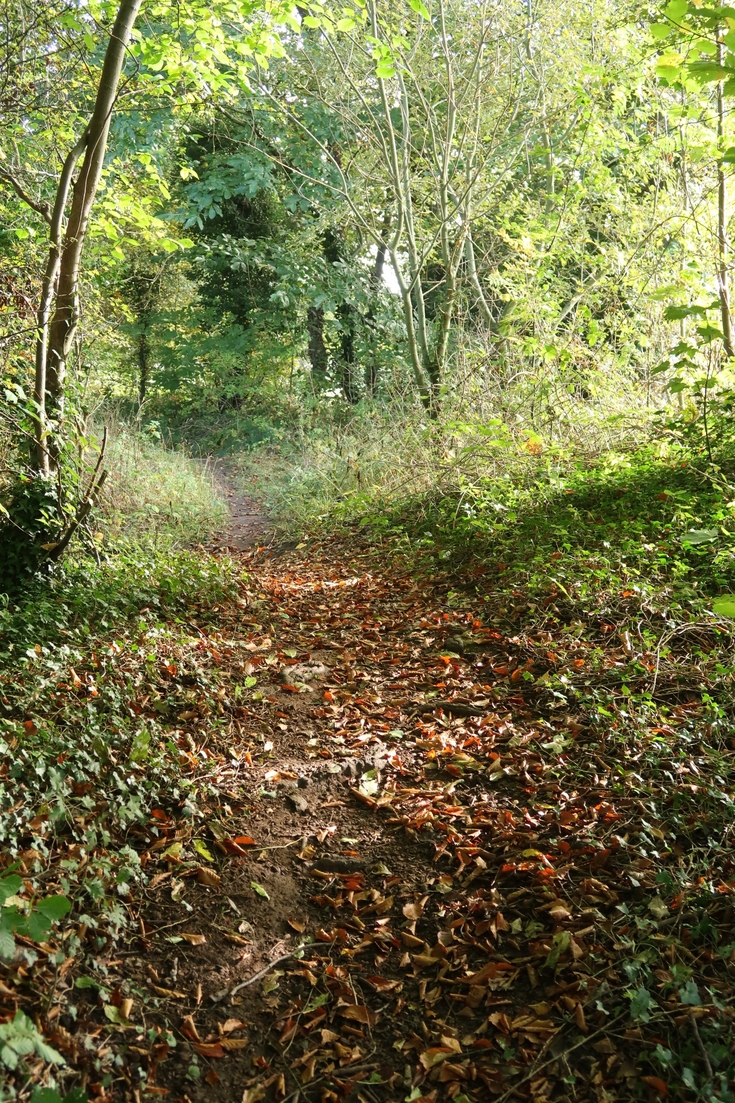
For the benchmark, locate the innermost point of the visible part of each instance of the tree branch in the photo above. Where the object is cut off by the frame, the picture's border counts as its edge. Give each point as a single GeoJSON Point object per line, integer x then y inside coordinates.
{"type": "Point", "coordinates": [38, 205]}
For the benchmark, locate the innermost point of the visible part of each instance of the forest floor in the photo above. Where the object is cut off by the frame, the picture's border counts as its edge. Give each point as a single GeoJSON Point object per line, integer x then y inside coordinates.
{"type": "Point", "coordinates": [414, 872]}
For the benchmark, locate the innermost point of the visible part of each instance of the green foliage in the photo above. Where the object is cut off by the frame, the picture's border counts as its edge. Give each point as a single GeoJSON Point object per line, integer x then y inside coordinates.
{"type": "Point", "coordinates": [50, 1095]}
{"type": "Point", "coordinates": [19, 1038]}
{"type": "Point", "coordinates": [18, 917]}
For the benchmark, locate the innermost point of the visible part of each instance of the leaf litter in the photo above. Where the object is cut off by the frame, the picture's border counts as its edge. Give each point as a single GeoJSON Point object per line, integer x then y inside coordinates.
{"type": "Point", "coordinates": [503, 878]}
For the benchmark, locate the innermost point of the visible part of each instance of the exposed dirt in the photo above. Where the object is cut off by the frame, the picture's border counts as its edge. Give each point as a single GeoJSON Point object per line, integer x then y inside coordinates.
{"type": "Point", "coordinates": [384, 785]}
{"type": "Point", "coordinates": [247, 525]}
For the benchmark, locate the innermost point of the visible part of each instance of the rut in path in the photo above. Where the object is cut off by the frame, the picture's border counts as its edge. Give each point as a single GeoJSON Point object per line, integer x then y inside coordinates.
{"type": "Point", "coordinates": [390, 785]}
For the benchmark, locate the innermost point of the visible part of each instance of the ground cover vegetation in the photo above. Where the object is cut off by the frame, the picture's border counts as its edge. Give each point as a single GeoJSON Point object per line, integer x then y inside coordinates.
{"type": "Point", "coordinates": [367, 506]}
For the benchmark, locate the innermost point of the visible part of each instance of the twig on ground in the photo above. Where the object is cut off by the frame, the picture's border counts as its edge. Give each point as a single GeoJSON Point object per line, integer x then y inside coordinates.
{"type": "Point", "coordinates": [219, 996]}
{"type": "Point", "coordinates": [700, 1045]}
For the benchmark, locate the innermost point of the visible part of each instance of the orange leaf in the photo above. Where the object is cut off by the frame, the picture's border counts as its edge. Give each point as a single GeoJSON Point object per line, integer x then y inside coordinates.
{"type": "Point", "coordinates": [205, 1049]}
{"type": "Point", "coordinates": [188, 1027]}
{"type": "Point", "coordinates": [657, 1084]}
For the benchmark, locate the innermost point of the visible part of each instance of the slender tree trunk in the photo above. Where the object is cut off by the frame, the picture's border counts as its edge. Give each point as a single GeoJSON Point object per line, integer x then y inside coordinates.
{"type": "Point", "coordinates": [56, 330]}
{"type": "Point", "coordinates": [317, 348]}
{"type": "Point", "coordinates": [471, 262]}
{"type": "Point", "coordinates": [144, 354]}
{"type": "Point", "coordinates": [723, 276]}
{"type": "Point", "coordinates": [376, 275]}
{"type": "Point", "coordinates": [346, 314]}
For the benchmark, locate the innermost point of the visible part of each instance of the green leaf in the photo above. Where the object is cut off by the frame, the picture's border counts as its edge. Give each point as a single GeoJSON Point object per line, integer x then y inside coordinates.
{"type": "Point", "coordinates": [700, 536]}
{"type": "Point", "coordinates": [85, 982]}
{"type": "Point", "coordinates": [676, 313]}
{"type": "Point", "coordinates": [676, 10]}
{"type": "Point", "coordinates": [38, 926]}
{"type": "Point", "coordinates": [418, 7]}
{"type": "Point", "coordinates": [259, 889]}
{"type": "Point", "coordinates": [689, 994]}
{"type": "Point", "coordinates": [660, 31]}
{"type": "Point", "coordinates": [202, 849]}
{"type": "Point", "coordinates": [640, 1003]}
{"type": "Point", "coordinates": [7, 942]}
{"type": "Point", "coordinates": [53, 907]}
{"type": "Point", "coordinates": [10, 886]}
{"type": "Point", "coordinates": [559, 945]}
{"type": "Point", "coordinates": [724, 606]}
{"type": "Point", "coordinates": [705, 72]}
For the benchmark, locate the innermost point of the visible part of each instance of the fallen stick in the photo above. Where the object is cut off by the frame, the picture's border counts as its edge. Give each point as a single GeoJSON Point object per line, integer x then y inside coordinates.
{"type": "Point", "coordinates": [218, 996]}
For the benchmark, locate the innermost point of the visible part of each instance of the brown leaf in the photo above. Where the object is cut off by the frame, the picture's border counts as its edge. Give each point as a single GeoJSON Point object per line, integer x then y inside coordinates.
{"type": "Point", "coordinates": [253, 1095]}
{"type": "Point", "coordinates": [188, 1028]}
{"type": "Point", "coordinates": [297, 924]}
{"type": "Point", "coordinates": [209, 1049]}
{"type": "Point", "coordinates": [231, 1045]}
{"type": "Point", "coordinates": [229, 1025]}
{"type": "Point", "coordinates": [358, 1013]}
{"type": "Point", "coordinates": [434, 1056]}
{"type": "Point", "coordinates": [169, 992]}
{"type": "Point", "coordinates": [194, 939]}
{"type": "Point", "coordinates": [579, 1018]}
{"type": "Point", "coordinates": [414, 909]}
{"type": "Point", "coordinates": [208, 877]}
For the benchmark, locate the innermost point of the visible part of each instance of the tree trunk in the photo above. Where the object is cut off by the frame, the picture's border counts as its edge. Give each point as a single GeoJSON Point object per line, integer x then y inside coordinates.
{"type": "Point", "coordinates": [144, 352]}
{"type": "Point", "coordinates": [61, 281]}
{"type": "Point", "coordinates": [376, 275]}
{"type": "Point", "coordinates": [347, 316]}
{"type": "Point", "coordinates": [723, 277]}
{"type": "Point", "coordinates": [317, 348]}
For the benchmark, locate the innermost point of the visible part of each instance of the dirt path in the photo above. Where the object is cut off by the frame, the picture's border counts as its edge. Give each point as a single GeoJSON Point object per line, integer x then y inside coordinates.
{"type": "Point", "coordinates": [394, 841]}
{"type": "Point", "coordinates": [383, 778]}
{"type": "Point", "coordinates": [247, 524]}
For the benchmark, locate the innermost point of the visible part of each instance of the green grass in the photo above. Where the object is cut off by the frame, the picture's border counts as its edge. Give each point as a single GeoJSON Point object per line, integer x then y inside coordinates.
{"type": "Point", "coordinates": [652, 522]}
{"type": "Point", "coordinates": [158, 495]}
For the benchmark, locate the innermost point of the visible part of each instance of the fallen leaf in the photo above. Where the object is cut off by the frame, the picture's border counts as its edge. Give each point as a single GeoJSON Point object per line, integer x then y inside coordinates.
{"type": "Point", "coordinates": [208, 877]}
{"type": "Point", "coordinates": [209, 1049]}
{"type": "Point", "coordinates": [231, 1045]}
{"type": "Point", "coordinates": [188, 1028]}
{"type": "Point", "coordinates": [657, 1084]}
{"type": "Point", "coordinates": [231, 1024]}
{"type": "Point", "coordinates": [194, 939]}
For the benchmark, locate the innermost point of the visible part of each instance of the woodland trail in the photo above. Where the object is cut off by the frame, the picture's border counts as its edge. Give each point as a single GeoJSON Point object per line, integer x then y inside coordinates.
{"type": "Point", "coordinates": [389, 781]}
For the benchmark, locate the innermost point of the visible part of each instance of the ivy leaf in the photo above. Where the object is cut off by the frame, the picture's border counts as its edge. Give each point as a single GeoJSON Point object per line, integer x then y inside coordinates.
{"type": "Point", "coordinates": [202, 849]}
{"type": "Point", "coordinates": [724, 606]}
{"type": "Point", "coordinates": [689, 994]}
{"type": "Point", "coordinates": [640, 1003]}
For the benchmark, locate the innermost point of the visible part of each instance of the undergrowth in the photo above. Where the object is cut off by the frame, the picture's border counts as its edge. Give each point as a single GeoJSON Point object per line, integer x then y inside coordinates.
{"type": "Point", "coordinates": [80, 768]}
{"type": "Point", "coordinates": [157, 493]}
